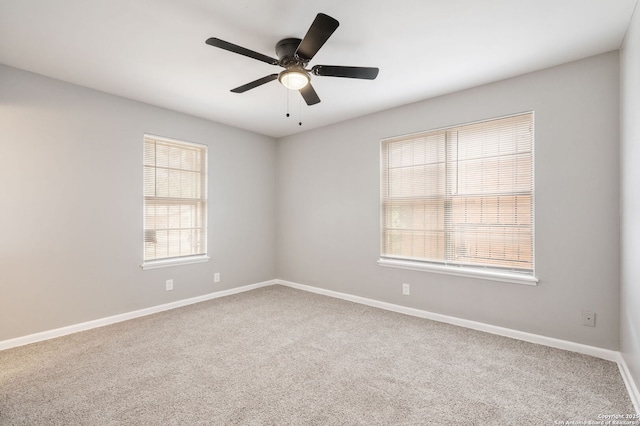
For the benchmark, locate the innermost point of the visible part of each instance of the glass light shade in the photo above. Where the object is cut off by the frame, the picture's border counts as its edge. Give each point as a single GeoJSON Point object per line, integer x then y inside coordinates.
{"type": "Point", "coordinates": [293, 79]}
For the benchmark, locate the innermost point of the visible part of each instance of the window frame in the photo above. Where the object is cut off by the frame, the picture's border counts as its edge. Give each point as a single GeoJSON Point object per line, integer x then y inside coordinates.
{"type": "Point", "coordinates": [500, 274]}
{"type": "Point", "coordinates": [181, 259]}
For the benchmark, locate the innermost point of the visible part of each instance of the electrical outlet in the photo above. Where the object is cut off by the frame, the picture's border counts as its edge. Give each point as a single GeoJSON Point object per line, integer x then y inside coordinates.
{"type": "Point", "coordinates": [406, 289]}
{"type": "Point", "coordinates": [216, 277]}
{"type": "Point", "coordinates": [169, 285]}
{"type": "Point", "coordinates": [589, 318]}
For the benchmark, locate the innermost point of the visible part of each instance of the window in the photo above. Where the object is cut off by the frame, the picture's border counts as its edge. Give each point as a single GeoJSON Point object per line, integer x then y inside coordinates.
{"type": "Point", "coordinates": [461, 198]}
{"type": "Point", "coordinates": [175, 202]}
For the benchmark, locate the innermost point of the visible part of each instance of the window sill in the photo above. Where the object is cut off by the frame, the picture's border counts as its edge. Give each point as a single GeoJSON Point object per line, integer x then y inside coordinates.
{"type": "Point", "coordinates": [165, 263]}
{"type": "Point", "coordinates": [460, 271]}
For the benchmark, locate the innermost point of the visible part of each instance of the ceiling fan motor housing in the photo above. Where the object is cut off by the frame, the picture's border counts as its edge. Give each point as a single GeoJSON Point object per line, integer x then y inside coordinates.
{"type": "Point", "coordinates": [286, 51]}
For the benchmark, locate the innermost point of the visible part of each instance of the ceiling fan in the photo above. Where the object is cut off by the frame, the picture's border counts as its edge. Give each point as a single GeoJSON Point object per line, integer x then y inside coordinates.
{"type": "Point", "coordinates": [294, 55]}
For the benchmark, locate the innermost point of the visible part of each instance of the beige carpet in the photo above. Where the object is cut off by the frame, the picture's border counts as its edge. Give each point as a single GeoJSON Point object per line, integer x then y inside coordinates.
{"type": "Point", "coordinates": [281, 356]}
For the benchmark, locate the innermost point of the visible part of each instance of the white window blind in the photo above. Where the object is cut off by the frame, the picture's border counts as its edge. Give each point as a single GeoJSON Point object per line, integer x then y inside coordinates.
{"type": "Point", "coordinates": [175, 199]}
{"type": "Point", "coordinates": [461, 196]}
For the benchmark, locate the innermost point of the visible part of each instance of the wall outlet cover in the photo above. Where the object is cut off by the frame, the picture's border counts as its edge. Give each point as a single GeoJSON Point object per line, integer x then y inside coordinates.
{"type": "Point", "coordinates": [589, 318]}
{"type": "Point", "coordinates": [406, 289]}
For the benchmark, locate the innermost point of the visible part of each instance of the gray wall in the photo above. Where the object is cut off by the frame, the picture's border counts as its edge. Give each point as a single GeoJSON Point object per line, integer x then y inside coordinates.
{"type": "Point", "coordinates": [328, 208]}
{"type": "Point", "coordinates": [71, 205]}
{"type": "Point", "coordinates": [630, 193]}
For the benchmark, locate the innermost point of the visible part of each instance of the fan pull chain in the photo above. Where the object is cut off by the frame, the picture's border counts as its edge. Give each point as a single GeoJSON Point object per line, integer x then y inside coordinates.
{"type": "Point", "coordinates": [287, 103]}
{"type": "Point", "coordinates": [299, 111]}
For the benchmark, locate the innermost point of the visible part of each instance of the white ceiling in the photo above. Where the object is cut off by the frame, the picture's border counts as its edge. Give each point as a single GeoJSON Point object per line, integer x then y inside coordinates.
{"type": "Point", "coordinates": [154, 51]}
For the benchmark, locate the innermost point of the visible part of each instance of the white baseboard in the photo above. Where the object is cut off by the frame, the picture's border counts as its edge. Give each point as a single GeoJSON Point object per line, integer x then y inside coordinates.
{"type": "Point", "coordinates": [632, 388]}
{"type": "Point", "coordinates": [58, 332]}
{"type": "Point", "coordinates": [606, 354]}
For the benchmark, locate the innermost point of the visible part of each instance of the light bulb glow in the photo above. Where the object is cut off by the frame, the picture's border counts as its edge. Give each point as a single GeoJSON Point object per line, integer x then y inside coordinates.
{"type": "Point", "coordinates": [293, 78]}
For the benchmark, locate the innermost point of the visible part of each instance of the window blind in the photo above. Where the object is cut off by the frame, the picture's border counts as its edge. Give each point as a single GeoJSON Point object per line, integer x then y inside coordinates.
{"type": "Point", "coordinates": [461, 196]}
{"type": "Point", "coordinates": [175, 199]}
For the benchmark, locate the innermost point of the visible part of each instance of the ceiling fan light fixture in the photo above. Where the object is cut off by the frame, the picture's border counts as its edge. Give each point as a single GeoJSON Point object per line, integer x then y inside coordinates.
{"type": "Point", "coordinates": [294, 78]}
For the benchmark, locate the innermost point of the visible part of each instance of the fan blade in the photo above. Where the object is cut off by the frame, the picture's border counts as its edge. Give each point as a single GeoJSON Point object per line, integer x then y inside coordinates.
{"type": "Point", "coordinates": [254, 84]}
{"type": "Point", "coordinates": [348, 72]}
{"type": "Point", "coordinates": [310, 96]}
{"type": "Point", "coordinates": [317, 35]}
{"type": "Point", "coordinates": [216, 42]}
